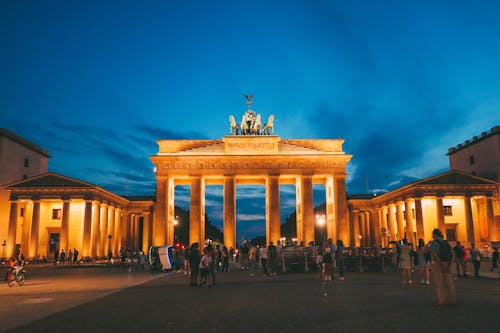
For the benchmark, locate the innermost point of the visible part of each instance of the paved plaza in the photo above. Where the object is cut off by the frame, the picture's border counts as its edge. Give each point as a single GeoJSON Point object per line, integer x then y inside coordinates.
{"type": "Point", "coordinates": [114, 300]}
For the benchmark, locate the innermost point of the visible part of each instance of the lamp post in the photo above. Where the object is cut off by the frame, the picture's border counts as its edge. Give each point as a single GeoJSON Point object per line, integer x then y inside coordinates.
{"type": "Point", "coordinates": [4, 244]}
{"type": "Point", "coordinates": [320, 220]}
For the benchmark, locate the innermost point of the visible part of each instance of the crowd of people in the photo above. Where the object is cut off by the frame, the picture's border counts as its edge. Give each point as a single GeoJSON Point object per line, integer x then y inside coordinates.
{"type": "Point", "coordinates": [437, 257]}
{"type": "Point", "coordinates": [202, 264]}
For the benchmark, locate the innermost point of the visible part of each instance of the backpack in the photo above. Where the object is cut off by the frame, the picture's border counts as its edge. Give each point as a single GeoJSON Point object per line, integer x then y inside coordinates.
{"type": "Point", "coordinates": [445, 251]}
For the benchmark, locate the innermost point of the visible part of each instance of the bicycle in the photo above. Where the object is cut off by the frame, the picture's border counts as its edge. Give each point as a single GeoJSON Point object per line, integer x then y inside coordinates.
{"type": "Point", "coordinates": [16, 275]}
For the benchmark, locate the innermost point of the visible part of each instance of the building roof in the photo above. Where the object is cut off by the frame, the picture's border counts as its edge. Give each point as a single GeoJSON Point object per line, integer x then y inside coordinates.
{"type": "Point", "coordinates": [49, 180]}
{"type": "Point", "coordinates": [485, 135]}
{"type": "Point", "coordinates": [22, 141]}
{"type": "Point", "coordinates": [446, 180]}
{"type": "Point", "coordinates": [50, 183]}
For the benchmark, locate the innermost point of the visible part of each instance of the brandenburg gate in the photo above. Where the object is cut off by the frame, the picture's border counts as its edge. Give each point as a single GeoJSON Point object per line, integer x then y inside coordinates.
{"type": "Point", "coordinates": [251, 157]}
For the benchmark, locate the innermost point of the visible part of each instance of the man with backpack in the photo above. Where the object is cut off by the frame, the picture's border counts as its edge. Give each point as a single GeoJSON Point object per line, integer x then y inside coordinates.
{"type": "Point", "coordinates": [441, 270]}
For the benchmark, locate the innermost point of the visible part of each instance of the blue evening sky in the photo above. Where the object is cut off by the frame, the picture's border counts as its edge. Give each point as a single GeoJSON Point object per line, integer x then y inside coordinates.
{"type": "Point", "coordinates": [98, 82]}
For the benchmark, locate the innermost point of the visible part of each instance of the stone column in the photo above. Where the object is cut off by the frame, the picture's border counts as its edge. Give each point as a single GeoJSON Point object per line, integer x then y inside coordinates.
{"type": "Point", "coordinates": [128, 231]}
{"type": "Point", "coordinates": [355, 228]}
{"type": "Point", "coordinates": [440, 214]}
{"type": "Point", "coordinates": [87, 227]}
{"type": "Point", "coordinates": [96, 219]}
{"type": "Point", "coordinates": [377, 233]}
{"type": "Point", "coordinates": [368, 223]}
{"type": "Point", "coordinates": [298, 210]}
{"type": "Point", "coordinates": [230, 212]}
{"type": "Point", "coordinates": [146, 232]}
{"type": "Point", "coordinates": [11, 235]}
{"type": "Point", "coordinates": [399, 221]}
{"type": "Point", "coordinates": [64, 240]}
{"type": "Point", "coordinates": [25, 238]}
{"type": "Point", "coordinates": [117, 236]}
{"type": "Point", "coordinates": [103, 242]}
{"type": "Point", "coordinates": [469, 223]}
{"type": "Point", "coordinates": [125, 225]}
{"type": "Point", "coordinates": [392, 221]}
{"type": "Point", "coordinates": [35, 229]}
{"type": "Point", "coordinates": [307, 211]}
{"type": "Point", "coordinates": [197, 211]}
{"type": "Point", "coordinates": [409, 221]}
{"type": "Point", "coordinates": [171, 210]}
{"type": "Point", "coordinates": [160, 218]}
{"type": "Point", "coordinates": [341, 208]}
{"type": "Point", "coordinates": [273, 232]}
{"type": "Point", "coordinates": [490, 218]}
{"type": "Point", "coordinates": [110, 245]}
{"type": "Point", "coordinates": [362, 227]}
{"type": "Point", "coordinates": [420, 220]}
{"type": "Point", "coordinates": [331, 225]}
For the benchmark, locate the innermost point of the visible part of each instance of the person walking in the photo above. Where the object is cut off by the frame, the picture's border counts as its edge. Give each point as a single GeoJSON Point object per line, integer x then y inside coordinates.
{"type": "Point", "coordinates": [405, 262]}
{"type": "Point", "coordinates": [459, 252]}
{"type": "Point", "coordinates": [475, 257]}
{"type": "Point", "coordinates": [441, 270]}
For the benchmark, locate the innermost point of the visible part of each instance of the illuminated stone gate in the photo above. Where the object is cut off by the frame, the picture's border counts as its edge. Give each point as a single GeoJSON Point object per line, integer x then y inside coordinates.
{"type": "Point", "coordinates": [251, 159]}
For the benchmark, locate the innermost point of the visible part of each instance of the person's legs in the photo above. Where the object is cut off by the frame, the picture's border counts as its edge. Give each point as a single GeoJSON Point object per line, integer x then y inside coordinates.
{"type": "Point", "coordinates": [449, 288]}
{"type": "Point", "coordinates": [438, 280]}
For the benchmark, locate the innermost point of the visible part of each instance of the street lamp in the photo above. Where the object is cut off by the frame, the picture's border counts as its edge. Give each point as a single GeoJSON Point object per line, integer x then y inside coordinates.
{"type": "Point", "coordinates": [359, 236]}
{"type": "Point", "coordinates": [4, 244]}
{"type": "Point", "coordinates": [321, 221]}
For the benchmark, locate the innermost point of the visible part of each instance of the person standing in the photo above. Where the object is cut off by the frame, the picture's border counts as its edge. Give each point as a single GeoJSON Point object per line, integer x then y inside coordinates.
{"type": "Point", "coordinates": [56, 257]}
{"type": "Point", "coordinates": [194, 264]}
{"type": "Point", "coordinates": [205, 263]}
{"type": "Point", "coordinates": [225, 259]}
{"type": "Point", "coordinates": [475, 257]}
{"type": "Point", "coordinates": [339, 258]}
{"type": "Point", "coordinates": [252, 258]}
{"type": "Point", "coordinates": [263, 259]}
{"type": "Point", "coordinates": [459, 253]}
{"type": "Point", "coordinates": [494, 259]}
{"type": "Point", "coordinates": [421, 262]}
{"type": "Point", "coordinates": [279, 255]}
{"type": "Point", "coordinates": [62, 257]}
{"type": "Point", "coordinates": [441, 270]}
{"type": "Point", "coordinates": [273, 262]}
{"type": "Point", "coordinates": [70, 257]}
{"type": "Point", "coordinates": [75, 256]}
{"type": "Point", "coordinates": [405, 262]}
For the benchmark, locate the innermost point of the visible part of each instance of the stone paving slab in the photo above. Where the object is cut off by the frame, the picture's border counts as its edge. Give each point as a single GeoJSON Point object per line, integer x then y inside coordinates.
{"type": "Point", "coordinates": [364, 302]}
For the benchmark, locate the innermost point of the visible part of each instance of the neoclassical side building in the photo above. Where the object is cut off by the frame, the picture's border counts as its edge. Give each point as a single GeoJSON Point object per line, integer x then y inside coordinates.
{"type": "Point", "coordinates": [51, 211]}
{"type": "Point", "coordinates": [251, 159]}
{"type": "Point", "coordinates": [463, 206]}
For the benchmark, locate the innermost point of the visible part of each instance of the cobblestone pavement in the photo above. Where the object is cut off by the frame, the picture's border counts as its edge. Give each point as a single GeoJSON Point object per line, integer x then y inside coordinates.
{"type": "Point", "coordinates": [364, 302]}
